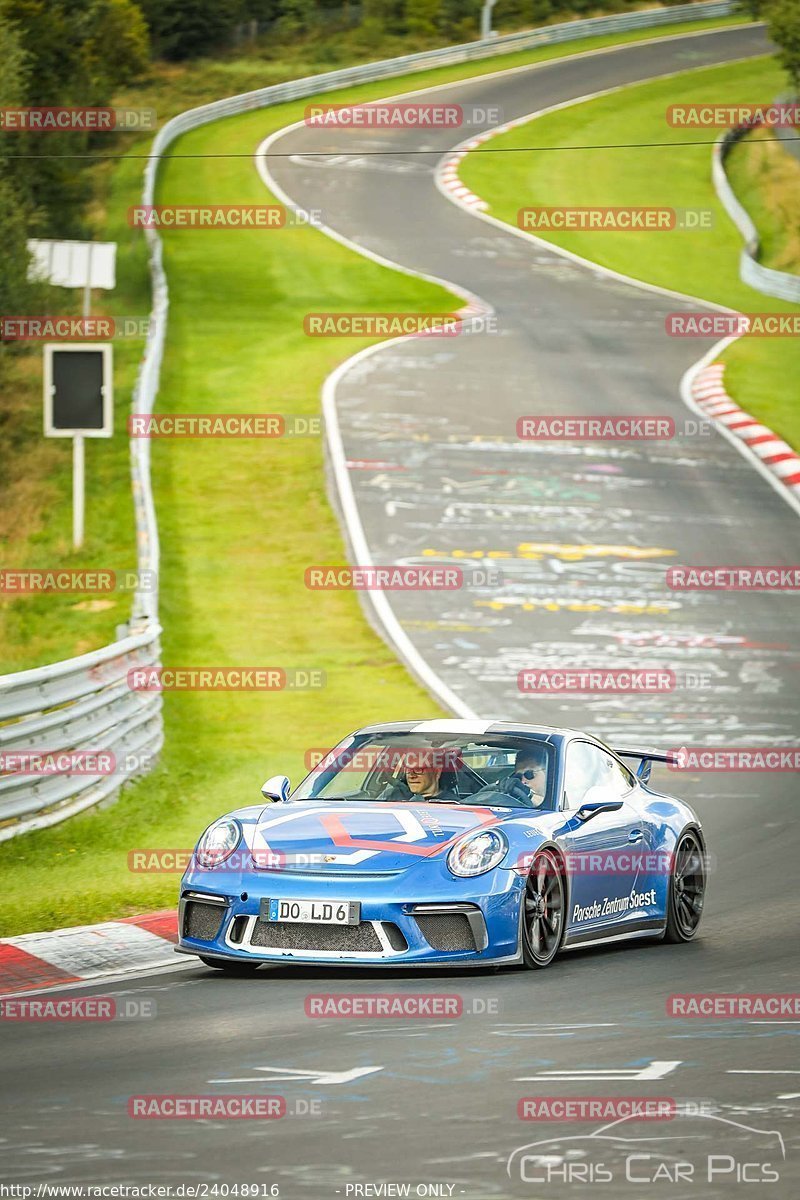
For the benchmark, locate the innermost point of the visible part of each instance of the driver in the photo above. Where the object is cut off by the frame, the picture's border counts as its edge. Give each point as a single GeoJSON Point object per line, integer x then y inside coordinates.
{"type": "Point", "coordinates": [527, 783]}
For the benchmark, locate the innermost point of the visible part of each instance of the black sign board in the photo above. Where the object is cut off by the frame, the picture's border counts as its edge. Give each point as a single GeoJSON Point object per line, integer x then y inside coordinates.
{"type": "Point", "coordinates": [77, 390]}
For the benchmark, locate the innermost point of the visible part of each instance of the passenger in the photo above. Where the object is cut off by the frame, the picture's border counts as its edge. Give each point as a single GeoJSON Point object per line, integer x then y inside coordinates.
{"type": "Point", "coordinates": [419, 783]}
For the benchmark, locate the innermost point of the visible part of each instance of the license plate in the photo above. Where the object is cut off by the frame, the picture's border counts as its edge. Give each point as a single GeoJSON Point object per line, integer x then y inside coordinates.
{"type": "Point", "coordinates": [312, 912]}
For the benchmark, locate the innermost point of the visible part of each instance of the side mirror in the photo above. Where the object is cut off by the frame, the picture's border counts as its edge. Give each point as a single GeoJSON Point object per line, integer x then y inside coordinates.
{"type": "Point", "coordinates": [276, 788]}
{"type": "Point", "coordinates": [587, 811]}
{"type": "Point", "coordinates": [644, 770]}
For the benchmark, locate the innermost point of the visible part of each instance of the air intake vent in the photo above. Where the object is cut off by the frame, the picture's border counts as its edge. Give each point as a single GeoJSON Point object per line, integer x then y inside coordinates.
{"type": "Point", "coordinates": [446, 931]}
{"type": "Point", "coordinates": [237, 929]}
{"type": "Point", "coordinates": [284, 935]}
{"type": "Point", "coordinates": [394, 935]}
{"type": "Point", "coordinates": [202, 920]}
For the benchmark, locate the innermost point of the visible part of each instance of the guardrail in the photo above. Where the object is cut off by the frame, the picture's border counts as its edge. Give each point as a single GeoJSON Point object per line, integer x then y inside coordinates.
{"type": "Point", "coordinates": [78, 706]}
{"type": "Point", "coordinates": [781, 284]}
{"type": "Point", "coordinates": [84, 703]}
{"type": "Point", "coordinates": [313, 85]}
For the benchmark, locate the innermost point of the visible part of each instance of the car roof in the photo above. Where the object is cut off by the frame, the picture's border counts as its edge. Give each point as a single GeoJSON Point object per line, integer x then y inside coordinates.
{"type": "Point", "coordinates": [474, 728]}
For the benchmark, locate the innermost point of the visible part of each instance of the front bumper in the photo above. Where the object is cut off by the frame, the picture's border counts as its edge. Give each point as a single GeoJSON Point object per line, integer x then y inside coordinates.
{"type": "Point", "coordinates": [411, 918]}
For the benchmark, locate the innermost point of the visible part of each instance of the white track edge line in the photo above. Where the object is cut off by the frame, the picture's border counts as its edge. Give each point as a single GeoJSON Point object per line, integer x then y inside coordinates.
{"type": "Point", "coordinates": [398, 639]}
{"type": "Point", "coordinates": [354, 526]}
{"type": "Point", "coordinates": [689, 376]}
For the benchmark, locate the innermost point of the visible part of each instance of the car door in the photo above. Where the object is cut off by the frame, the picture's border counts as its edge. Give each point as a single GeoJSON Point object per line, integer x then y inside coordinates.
{"type": "Point", "coordinates": [600, 843]}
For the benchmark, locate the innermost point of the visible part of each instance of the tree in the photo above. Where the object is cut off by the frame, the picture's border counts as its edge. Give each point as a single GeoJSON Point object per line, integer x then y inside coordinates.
{"type": "Point", "coordinates": [76, 53]}
{"type": "Point", "coordinates": [382, 16]}
{"type": "Point", "coordinates": [783, 24]}
{"type": "Point", "coordinates": [17, 295]}
{"type": "Point", "coordinates": [116, 49]}
{"type": "Point", "coordinates": [460, 20]}
{"type": "Point", "coordinates": [297, 16]}
{"type": "Point", "coordinates": [420, 17]}
{"type": "Point", "coordinates": [51, 44]}
{"type": "Point", "coordinates": [182, 29]}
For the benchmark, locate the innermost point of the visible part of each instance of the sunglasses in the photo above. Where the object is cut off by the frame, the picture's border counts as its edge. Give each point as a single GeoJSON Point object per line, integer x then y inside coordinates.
{"type": "Point", "coordinates": [531, 772]}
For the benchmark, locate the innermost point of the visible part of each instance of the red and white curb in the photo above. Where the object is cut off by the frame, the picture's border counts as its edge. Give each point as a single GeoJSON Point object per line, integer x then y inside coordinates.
{"type": "Point", "coordinates": [87, 952]}
{"type": "Point", "coordinates": [707, 391]}
{"type": "Point", "coordinates": [447, 173]}
{"type": "Point", "coordinates": [709, 394]}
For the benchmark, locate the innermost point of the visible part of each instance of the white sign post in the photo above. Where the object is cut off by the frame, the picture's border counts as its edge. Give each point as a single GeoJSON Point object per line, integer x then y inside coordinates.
{"type": "Point", "coordinates": [78, 399]}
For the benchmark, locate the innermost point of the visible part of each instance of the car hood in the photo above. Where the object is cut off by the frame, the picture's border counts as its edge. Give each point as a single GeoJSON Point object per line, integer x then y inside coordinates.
{"type": "Point", "coordinates": [339, 836]}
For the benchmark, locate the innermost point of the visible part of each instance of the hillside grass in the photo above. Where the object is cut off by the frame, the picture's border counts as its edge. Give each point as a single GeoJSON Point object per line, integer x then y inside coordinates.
{"type": "Point", "coordinates": [642, 171]}
{"type": "Point", "coordinates": [239, 523]}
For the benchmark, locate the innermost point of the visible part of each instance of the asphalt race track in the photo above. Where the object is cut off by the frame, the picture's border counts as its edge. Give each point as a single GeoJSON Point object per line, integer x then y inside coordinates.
{"type": "Point", "coordinates": [434, 1101]}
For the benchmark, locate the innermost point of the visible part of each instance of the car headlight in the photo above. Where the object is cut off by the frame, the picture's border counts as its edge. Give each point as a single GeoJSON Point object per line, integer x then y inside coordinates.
{"type": "Point", "coordinates": [477, 853]}
{"type": "Point", "coordinates": [218, 842]}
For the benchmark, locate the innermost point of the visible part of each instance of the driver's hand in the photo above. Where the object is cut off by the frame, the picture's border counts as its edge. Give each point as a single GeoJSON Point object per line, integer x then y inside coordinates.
{"type": "Point", "coordinates": [513, 786]}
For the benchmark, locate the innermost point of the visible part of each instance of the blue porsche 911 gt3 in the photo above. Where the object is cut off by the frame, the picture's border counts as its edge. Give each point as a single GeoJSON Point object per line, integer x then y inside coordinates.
{"type": "Point", "coordinates": [447, 842]}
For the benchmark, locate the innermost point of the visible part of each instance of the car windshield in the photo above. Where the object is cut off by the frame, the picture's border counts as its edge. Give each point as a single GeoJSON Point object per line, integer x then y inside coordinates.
{"type": "Point", "coordinates": [511, 772]}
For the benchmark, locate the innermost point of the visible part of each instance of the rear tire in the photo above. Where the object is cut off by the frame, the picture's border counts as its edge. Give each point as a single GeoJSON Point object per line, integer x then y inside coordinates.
{"type": "Point", "coordinates": [543, 907]}
{"type": "Point", "coordinates": [687, 888]}
{"type": "Point", "coordinates": [231, 966]}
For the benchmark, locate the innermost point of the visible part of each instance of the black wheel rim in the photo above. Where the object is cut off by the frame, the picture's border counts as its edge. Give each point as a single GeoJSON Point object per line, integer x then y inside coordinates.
{"type": "Point", "coordinates": [688, 884]}
{"type": "Point", "coordinates": [544, 907]}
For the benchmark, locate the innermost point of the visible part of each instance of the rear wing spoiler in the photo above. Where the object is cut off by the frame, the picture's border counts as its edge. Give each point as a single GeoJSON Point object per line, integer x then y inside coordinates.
{"type": "Point", "coordinates": [646, 759]}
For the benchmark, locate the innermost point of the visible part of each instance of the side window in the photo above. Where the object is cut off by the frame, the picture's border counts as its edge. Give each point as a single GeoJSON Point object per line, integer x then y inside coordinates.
{"type": "Point", "coordinates": [592, 774]}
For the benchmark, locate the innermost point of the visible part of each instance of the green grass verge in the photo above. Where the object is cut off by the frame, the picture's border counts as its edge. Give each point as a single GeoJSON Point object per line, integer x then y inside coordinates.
{"type": "Point", "coordinates": [239, 523]}
{"type": "Point", "coordinates": [35, 521]}
{"type": "Point", "coordinates": [766, 178]}
{"type": "Point", "coordinates": [702, 263]}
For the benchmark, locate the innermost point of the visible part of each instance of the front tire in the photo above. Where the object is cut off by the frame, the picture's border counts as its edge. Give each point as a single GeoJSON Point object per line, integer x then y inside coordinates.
{"type": "Point", "coordinates": [543, 911]}
{"type": "Point", "coordinates": [231, 966]}
{"type": "Point", "coordinates": [687, 889]}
